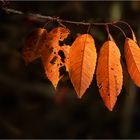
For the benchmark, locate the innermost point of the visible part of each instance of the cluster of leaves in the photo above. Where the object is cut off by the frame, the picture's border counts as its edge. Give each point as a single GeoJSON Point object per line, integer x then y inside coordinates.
{"type": "Point", "coordinates": [81, 60]}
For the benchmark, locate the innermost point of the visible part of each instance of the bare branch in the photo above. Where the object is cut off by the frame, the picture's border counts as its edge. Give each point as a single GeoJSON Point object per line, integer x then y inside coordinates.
{"type": "Point", "coordinates": [38, 16]}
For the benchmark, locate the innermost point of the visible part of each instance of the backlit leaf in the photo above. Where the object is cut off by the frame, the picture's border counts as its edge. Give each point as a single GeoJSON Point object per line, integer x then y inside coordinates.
{"type": "Point", "coordinates": [50, 57]}
{"type": "Point", "coordinates": [132, 57]}
{"type": "Point", "coordinates": [109, 73]}
{"type": "Point", "coordinates": [82, 61]}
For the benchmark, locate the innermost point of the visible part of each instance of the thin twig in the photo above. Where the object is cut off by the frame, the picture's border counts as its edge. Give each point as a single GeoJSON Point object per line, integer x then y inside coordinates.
{"type": "Point", "coordinates": [119, 29]}
{"type": "Point", "coordinates": [120, 21]}
{"type": "Point", "coordinates": [7, 10]}
{"type": "Point", "coordinates": [61, 21]}
{"type": "Point", "coordinates": [132, 32]}
{"type": "Point", "coordinates": [39, 16]}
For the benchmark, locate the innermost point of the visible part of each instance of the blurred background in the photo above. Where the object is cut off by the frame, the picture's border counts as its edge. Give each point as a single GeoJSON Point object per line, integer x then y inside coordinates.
{"type": "Point", "coordinates": [29, 105]}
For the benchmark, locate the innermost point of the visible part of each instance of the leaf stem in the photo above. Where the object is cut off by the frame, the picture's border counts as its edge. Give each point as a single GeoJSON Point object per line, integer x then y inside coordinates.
{"type": "Point", "coordinates": [107, 29]}
{"type": "Point", "coordinates": [119, 29]}
{"type": "Point", "coordinates": [132, 32]}
{"type": "Point", "coordinates": [120, 21]}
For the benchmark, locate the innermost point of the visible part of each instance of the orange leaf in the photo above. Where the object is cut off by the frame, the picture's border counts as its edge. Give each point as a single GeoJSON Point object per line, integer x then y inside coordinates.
{"type": "Point", "coordinates": [51, 64]}
{"type": "Point", "coordinates": [50, 56]}
{"type": "Point", "coordinates": [109, 73]}
{"type": "Point", "coordinates": [34, 45]}
{"type": "Point", "coordinates": [132, 56]}
{"type": "Point", "coordinates": [82, 61]}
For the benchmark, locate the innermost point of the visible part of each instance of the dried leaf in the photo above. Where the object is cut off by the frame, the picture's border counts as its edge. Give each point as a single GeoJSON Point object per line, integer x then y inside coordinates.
{"type": "Point", "coordinates": [82, 61]}
{"type": "Point", "coordinates": [132, 56]}
{"type": "Point", "coordinates": [50, 57]}
{"type": "Point", "coordinates": [109, 73]}
{"type": "Point", "coordinates": [34, 44]}
{"type": "Point", "coordinates": [51, 64]}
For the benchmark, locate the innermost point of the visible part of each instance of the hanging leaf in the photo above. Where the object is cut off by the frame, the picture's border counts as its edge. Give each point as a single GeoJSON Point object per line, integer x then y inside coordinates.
{"type": "Point", "coordinates": [109, 73]}
{"type": "Point", "coordinates": [34, 44]}
{"type": "Point", "coordinates": [82, 61]}
{"type": "Point", "coordinates": [52, 63]}
{"type": "Point", "coordinates": [132, 57]}
{"type": "Point", "coordinates": [50, 57]}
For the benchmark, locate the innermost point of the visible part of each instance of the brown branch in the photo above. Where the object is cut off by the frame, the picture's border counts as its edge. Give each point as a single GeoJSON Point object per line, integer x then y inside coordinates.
{"type": "Point", "coordinates": [39, 16]}
{"type": "Point", "coordinates": [43, 18]}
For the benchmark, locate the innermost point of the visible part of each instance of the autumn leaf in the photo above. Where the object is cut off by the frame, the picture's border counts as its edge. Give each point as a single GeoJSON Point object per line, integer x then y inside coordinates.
{"type": "Point", "coordinates": [109, 73]}
{"type": "Point", "coordinates": [82, 61]}
{"type": "Point", "coordinates": [34, 44]}
{"type": "Point", "coordinates": [132, 57]}
{"type": "Point", "coordinates": [50, 57]}
{"type": "Point", "coordinates": [51, 64]}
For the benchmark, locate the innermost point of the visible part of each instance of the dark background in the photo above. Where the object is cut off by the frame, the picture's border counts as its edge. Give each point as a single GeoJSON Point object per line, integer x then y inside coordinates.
{"type": "Point", "coordinates": [29, 106]}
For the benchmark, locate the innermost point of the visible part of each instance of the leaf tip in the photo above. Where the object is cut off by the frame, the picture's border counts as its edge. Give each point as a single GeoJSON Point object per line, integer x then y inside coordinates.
{"type": "Point", "coordinates": [110, 108]}
{"type": "Point", "coordinates": [79, 96]}
{"type": "Point", "coordinates": [54, 84]}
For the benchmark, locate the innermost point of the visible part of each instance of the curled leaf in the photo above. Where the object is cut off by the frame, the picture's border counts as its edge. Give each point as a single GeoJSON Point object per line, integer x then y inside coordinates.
{"type": "Point", "coordinates": [82, 61]}
{"type": "Point", "coordinates": [132, 57]}
{"type": "Point", "coordinates": [109, 73]}
{"type": "Point", "coordinates": [34, 44]}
